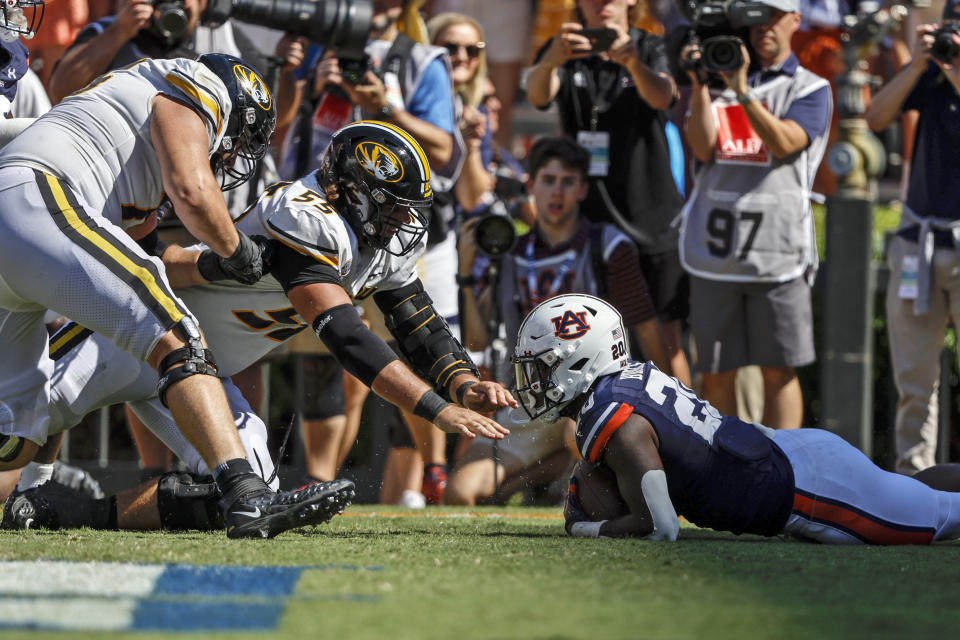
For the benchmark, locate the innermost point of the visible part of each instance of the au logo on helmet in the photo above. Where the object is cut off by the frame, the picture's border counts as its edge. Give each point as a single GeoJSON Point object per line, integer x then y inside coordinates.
{"type": "Point", "coordinates": [253, 85]}
{"type": "Point", "coordinates": [379, 161]}
{"type": "Point", "coordinates": [571, 325]}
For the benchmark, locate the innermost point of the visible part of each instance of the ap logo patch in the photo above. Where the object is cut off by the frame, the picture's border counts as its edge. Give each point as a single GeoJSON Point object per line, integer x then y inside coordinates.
{"type": "Point", "coordinates": [253, 85]}
{"type": "Point", "coordinates": [571, 325]}
{"type": "Point", "coordinates": [379, 161]}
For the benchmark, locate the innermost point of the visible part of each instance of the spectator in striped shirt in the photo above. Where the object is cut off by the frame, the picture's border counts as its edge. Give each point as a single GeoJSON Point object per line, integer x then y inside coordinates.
{"type": "Point", "coordinates": [563, 253]}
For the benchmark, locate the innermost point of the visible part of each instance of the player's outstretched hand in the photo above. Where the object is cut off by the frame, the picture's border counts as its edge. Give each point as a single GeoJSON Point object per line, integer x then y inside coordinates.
{"type": "Point", "coordinates": [454, 419]}
{"type": "Point", "coordinates": [487, 396]}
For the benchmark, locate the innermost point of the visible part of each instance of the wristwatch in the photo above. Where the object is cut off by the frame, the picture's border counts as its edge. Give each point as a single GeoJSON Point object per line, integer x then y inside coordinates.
{"type": "Point", "coordinates": [744, 98]}
{"type": "Point", "coordinates": [385, 111]}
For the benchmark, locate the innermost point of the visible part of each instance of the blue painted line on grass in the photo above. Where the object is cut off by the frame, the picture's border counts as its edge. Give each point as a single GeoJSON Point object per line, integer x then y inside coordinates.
{"type": "Point", "coordinates": [152, 598]}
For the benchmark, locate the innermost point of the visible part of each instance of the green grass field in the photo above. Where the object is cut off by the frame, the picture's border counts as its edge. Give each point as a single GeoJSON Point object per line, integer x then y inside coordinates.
{"type": "Point", "coordinates": [512, 573]}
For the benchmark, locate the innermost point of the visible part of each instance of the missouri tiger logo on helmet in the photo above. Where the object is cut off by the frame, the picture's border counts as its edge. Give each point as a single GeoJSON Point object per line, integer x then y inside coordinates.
{"type": "Point", "coordinates": [251, 121]}
{"type": "Point", "coordinates": [379, 161]}
{"type": "Point", "coordinates": [251, 82]}
{"type": "Point", "coordinates": [378, 178]}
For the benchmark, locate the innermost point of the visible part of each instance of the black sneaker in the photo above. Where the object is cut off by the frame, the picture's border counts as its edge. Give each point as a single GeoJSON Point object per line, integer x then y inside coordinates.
{"type": "Point", "coordinates": [49, 506]}
{"type": "Point", "coordinates": [263, 513]}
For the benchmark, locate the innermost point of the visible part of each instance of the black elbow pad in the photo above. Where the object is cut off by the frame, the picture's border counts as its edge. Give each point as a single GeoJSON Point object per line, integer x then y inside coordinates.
{"type": "Point", "coordinates": [424, 337]}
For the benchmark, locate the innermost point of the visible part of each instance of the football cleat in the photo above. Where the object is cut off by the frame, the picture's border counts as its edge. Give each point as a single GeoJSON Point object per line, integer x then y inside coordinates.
{"type": "Point", "coordinates": [49, 506]}
{"type": "Point", "coordinates": [263, 513]}
{"type": "Point", "coordinates": [434, 483]}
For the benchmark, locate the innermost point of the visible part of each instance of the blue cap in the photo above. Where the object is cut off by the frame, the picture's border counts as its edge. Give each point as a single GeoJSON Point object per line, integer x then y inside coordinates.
{"type": "Point", "coordinates": [13, 58]}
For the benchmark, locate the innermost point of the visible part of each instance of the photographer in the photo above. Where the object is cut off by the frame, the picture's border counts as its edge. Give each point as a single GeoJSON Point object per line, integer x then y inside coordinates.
{"type": "Point", "coordinates": [747, 237]}
{"type": "Point", "coordinates": [400, 81]}
{"type": "Point", "coordinates": [136, 32]}
{"type": "Point", "coordinates": [612, 87]}
{"type": "Point", "coordinates": [923, 295]}
{"type": "Point", "coordinates": [563, 253]}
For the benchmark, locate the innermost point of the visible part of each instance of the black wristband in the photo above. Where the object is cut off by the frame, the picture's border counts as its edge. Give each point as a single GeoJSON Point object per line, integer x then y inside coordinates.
{"type": "Point", "coordinates": [467, 280]}
{"type": "Point", "coordinates": [462, 390]}
{"type": "Point", "coordinates": [430, 406]}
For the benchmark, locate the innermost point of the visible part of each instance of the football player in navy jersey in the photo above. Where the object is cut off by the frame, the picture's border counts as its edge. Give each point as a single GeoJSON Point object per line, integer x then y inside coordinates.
{"type": "Point", "coordinates": [673, 453]}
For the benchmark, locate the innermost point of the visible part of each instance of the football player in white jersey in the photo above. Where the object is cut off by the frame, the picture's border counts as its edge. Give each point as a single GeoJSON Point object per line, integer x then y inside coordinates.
{"type": "Point", "coordinates": [351, 230]}
{"type": "Point", "coordinates": [71, 186]}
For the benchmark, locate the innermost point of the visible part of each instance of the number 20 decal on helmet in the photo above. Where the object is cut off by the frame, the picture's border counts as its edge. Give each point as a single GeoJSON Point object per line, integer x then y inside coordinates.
{"type": "Point", "coordinates": [565, 344]}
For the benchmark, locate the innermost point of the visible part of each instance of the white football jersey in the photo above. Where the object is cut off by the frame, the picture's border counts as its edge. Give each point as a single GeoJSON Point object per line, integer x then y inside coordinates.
{"type": "Point", "coordinates": [98, 139]}
{"type": "Point", "coordinates": [242, 323]}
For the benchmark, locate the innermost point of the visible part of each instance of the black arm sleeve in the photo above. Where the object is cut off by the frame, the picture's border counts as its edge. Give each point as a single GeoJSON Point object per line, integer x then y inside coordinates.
{"type": "Point", "coordinates": [152, 244]}
{"type": "Point", "coordinates": [292, 269]}
{"type": "Point", "coordinates": [424, 337]}
{"type": "Point", "coordinates": [359, 350]}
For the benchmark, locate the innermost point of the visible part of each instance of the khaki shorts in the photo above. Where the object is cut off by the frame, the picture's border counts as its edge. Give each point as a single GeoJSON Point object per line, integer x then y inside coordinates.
{"type": "Point", "coordinates": [741, 323]}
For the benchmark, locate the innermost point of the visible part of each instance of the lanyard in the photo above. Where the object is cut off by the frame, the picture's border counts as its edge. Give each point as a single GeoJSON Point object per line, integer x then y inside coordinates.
{"type": "Point", "coordinates": [598, 96]}
{"type": "Point", "coordinates": [557, 280]}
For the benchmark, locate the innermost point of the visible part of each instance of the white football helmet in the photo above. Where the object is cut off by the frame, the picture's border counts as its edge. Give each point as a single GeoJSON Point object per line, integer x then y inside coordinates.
{"type": "Point", "coordinates": [564, 345]}
{"type": "Point", "coordinates": [20, 18]}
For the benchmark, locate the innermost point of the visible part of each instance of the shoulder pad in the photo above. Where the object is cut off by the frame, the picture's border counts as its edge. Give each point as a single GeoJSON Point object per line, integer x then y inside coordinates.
{"type": "Point", "coordinates": [196, 85]}
{"type": "Point", "coordinates": [301, 218]}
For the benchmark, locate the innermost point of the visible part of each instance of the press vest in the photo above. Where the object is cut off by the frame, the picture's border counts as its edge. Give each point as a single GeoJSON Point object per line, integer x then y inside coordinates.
{"type": "Point", "coordinates": [749, 217]}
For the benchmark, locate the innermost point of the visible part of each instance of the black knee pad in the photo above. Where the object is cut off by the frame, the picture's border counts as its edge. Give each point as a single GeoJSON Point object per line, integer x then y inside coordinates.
{"type": "Point", "coordinates": [187, 502]}
{"type": "Point", "coordinates": [193, 360]}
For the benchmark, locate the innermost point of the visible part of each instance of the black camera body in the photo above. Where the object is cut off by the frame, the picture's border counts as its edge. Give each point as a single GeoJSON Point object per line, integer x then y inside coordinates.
{"type": "Point", "coordinates": [341, 25]}
{"type": "Point", "coordinates": [720, 26]}
{"type": "Point", "coordinates": [944, 48]}
{"type": "Point", "coordinates": [170, 18]}
{"type": "Point", "coordinates": [353, 70]}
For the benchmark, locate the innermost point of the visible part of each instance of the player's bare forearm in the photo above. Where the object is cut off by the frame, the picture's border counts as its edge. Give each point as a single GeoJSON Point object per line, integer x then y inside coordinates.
{"type": "Point", "coordinates": [180, 266]}
{"type": "Point", "coordinates": [180, 139]}
{"type": "Point", "coordinates": [627, 526]}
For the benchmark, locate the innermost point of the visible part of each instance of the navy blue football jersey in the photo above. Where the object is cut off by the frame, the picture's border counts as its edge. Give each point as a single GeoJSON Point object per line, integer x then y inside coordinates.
{"type": "Point", "coordinates": [722, 473]}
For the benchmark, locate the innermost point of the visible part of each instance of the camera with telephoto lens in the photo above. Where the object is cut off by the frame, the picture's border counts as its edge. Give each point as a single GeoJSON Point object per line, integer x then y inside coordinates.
{"type": "Point", "coordinates": [341, 25]}
{"type": "Point", "coordinates": [720, 27]}
{"type": "Point", "coordinates": [944, 48]}
{"type": "Point", "coordinates": [169, 18]}
{"type": "Point", "coordinates": [496, 235]}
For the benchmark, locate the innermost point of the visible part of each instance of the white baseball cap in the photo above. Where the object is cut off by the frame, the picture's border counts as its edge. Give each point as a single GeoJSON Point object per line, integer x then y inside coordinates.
{"type": "Point", "coordinates": [790, 6]}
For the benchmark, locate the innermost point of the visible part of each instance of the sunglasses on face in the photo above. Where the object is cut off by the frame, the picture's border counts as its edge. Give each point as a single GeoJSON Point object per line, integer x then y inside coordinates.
{"type": "Point", "coordinates": [473, 50]}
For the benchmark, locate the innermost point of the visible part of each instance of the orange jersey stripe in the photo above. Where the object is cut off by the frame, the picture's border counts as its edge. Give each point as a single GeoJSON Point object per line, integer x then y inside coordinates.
{"type": "Point", "coordinates": [615, 422]}
{"type": "Point", "coordinates": [863, 527]}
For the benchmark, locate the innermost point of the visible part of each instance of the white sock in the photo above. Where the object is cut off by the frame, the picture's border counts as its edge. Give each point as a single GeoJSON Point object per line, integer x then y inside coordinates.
{"type": "Point", "coordinates": [33, 475]}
